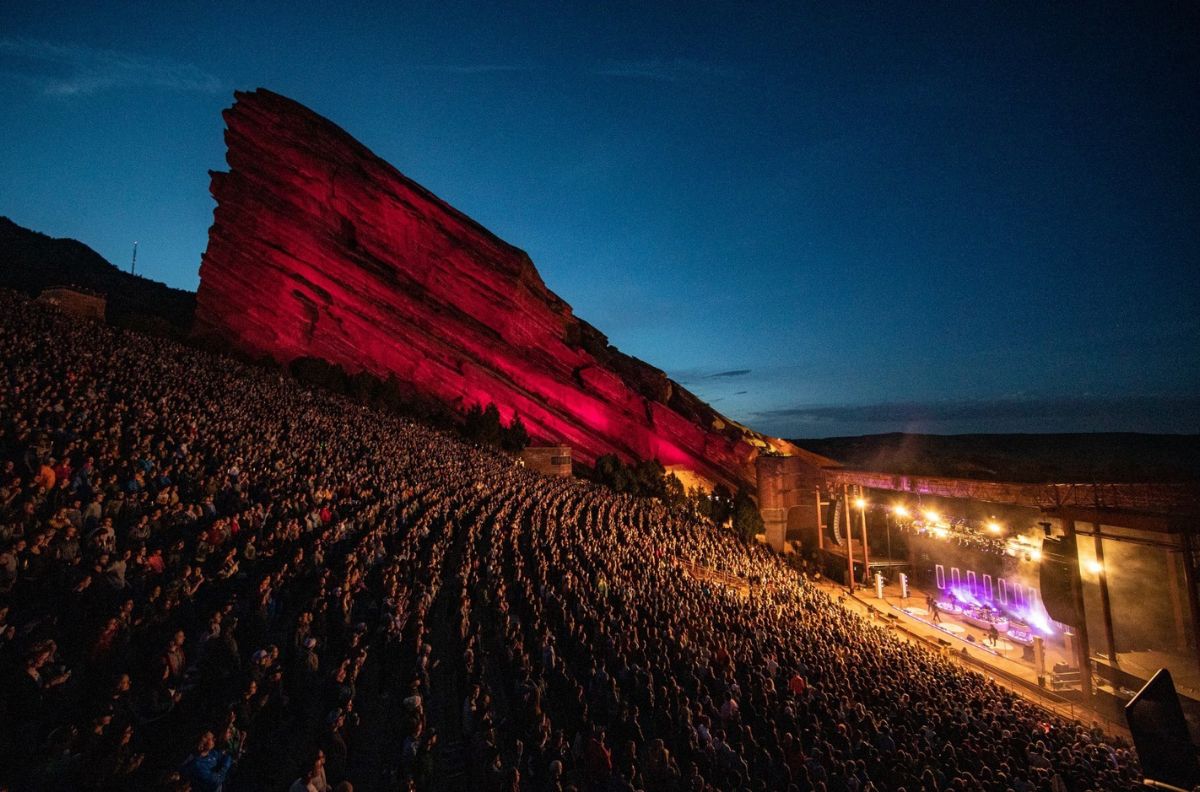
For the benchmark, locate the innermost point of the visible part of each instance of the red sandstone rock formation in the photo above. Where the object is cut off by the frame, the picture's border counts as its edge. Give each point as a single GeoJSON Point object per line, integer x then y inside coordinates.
{"type": "Point", "coordinates": [318, 248]}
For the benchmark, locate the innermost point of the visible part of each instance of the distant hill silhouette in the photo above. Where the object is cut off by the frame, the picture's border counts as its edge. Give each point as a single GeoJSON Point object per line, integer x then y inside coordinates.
{"type": "Point", "coordinates": [31, 261]}
{"type": "Point", "coordinates": [1103, 457]}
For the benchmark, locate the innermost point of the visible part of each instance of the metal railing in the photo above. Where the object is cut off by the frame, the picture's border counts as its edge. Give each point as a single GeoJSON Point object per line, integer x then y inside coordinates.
{"type": "Point", "coordinates": [704, 573]}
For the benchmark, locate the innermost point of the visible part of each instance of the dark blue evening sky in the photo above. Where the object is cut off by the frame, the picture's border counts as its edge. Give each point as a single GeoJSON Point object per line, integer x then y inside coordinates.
{"type": "Point", "coordinates": [935, 217]}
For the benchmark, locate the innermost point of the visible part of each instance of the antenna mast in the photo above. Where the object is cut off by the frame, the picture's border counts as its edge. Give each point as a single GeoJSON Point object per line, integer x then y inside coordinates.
{"type": "Point", "coordinates": [133, 263]}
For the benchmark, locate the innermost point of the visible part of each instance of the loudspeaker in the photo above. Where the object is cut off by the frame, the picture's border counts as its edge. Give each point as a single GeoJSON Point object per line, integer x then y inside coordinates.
{"type": "Point", "coordinates": [1060, 563]}
{"type": "Point", "coordinates": [1160, 734]}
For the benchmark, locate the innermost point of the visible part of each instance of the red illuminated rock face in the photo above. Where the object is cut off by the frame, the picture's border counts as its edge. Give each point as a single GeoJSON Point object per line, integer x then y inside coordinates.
{"type": "Point", "coordinates": [318, 248]}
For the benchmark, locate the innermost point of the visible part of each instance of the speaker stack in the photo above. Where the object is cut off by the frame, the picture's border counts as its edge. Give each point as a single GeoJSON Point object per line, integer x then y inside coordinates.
{"type": "Point", "coordinates": [1058, 573]}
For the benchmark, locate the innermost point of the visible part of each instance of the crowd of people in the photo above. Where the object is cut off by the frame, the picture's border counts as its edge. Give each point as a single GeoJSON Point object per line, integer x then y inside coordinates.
{"type": "Point", "coordinates": [214, 578]}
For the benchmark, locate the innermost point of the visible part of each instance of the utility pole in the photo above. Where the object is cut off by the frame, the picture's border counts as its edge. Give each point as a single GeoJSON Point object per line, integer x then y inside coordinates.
{"type": "Point", "coordinates": [133, 263]}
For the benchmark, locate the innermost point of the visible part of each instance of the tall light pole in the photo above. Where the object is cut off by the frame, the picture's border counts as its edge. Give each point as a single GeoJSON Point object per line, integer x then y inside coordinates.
{"type": "Point", "coordinates": [901, 512]}
{"type": "Point", "coordinates": [861, 503]}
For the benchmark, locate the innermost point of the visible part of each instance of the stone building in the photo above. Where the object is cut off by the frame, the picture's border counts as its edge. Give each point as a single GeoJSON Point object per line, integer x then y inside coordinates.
{"type": "Point", "coordinates": [76, 302]}
{"type": "Point", "coordinates": [548, 460]}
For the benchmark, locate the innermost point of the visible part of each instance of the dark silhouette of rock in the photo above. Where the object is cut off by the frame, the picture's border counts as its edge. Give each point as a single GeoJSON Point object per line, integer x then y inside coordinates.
{"type": "Point", "coordinates": [31, 262]}
{"type": "Point", "coordinates": [319, 249]}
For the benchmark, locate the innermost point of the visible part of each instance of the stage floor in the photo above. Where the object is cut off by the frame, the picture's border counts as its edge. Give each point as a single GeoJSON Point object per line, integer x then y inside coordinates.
{"type": "Point", "coordinates": [1006, 658]}
{"type": "Point", "coordinates": [1007, 655]}
{"type": "Point", "coordinates": [1140, 664]}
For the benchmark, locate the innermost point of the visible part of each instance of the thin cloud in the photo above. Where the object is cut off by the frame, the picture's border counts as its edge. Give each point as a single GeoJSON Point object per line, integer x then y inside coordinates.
{"type": "Point", "coordinates": [699, 376]}
{"type": "Point", "coordinates": [76, 70]}
{"type": "Point", "coordinates": [474, 68]}
{"type": "Point", "coordinates": [983, 410]}
{"type": "Point", "coordinates": [677, 70]}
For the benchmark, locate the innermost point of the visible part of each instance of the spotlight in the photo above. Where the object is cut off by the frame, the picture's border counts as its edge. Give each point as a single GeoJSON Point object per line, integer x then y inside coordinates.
{"type": "Point", "coordinates": [860, 503]}
{"type": "Point", "coordinates": [1095, 567]}
{"type": "Point", "coordinates": [900, 510]}
{"type": "Point", "coordinates": [932, 516]}
{"type": "Point", "coordinates": [994, 527]}
{"type": "Point", "coordinates": [1035, 555]}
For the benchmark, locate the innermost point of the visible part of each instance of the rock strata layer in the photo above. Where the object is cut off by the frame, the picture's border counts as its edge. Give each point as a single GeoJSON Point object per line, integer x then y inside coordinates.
{"type": "Point", "coordinates": [319, 248]}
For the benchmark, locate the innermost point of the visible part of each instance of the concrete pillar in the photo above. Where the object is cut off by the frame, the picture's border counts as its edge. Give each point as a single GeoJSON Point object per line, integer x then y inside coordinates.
{"type": "Point", "coordinates": [1105, 602]}
{"type": "Point", "coordinates": [771, 478]}
{"type": "Point", "coordinates": [1173, 575]}
{"type": "Point", "coordinates": [788, 499]}
{"type": "Point", "coordinates": [1192, 577]}
{"type": "Point", "coordinates": [1083, 651]}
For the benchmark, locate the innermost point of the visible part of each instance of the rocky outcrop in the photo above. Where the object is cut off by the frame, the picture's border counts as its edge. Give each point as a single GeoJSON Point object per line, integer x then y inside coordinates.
{"type": "Point", "coordinates": [318, 248]}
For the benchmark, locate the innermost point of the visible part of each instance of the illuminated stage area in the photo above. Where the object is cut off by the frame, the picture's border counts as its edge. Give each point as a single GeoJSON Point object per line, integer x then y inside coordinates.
{"type": "Point", "coordinates": [1089, 588]}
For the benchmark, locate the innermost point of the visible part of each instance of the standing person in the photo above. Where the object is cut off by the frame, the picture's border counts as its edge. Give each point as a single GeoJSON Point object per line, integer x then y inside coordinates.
{"type": "Point", "coordinates": [935, 611]}
{"type": "Point", "coordinates": [597, 759]}
{"type": "Point", "coordinates": [208, 767]}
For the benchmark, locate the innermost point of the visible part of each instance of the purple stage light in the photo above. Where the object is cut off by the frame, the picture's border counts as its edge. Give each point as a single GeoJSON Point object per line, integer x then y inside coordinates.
{"type": "Point", "coordinates": [1036, 617]}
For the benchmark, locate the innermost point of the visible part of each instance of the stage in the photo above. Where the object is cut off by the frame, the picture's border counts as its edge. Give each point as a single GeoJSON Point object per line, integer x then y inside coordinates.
{"type": "Point", "coordinates": [1005, 664]}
